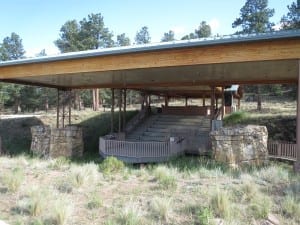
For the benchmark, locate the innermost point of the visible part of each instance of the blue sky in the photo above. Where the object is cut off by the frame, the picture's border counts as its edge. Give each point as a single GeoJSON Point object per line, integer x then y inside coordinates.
{"type": "Point", "coordinates": [38, 21]}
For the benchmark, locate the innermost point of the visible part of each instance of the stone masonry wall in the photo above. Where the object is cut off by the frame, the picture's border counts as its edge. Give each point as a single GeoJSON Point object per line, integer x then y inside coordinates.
{"type": "Point", "coordinates": [237, 146]}
{"type": "Point", "coordinates": [55, 142]}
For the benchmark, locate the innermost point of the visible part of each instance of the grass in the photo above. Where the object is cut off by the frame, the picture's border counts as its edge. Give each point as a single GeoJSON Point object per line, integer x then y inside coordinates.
{"type": "Point", "coordinates": [221, 204]}
{"type": "Point", "coordinates": [235, 118]}
{"type": "Point", "coordinates": [13, 179]}
{"type": "Point", "coordinates": [111, 165]}
{"type": "Point", "coordinates": [165, 177]}
{"type": "Point", "coordinates": [162, 208]}
{"type": "Point", "coordinates": [168, 193]}
{"type": "Point", "coordinates": [186, 190]}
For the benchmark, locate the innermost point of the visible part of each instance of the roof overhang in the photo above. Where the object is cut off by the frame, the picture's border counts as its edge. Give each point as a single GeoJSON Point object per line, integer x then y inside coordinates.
{"type": "Point", "coordinates": [265, 58]}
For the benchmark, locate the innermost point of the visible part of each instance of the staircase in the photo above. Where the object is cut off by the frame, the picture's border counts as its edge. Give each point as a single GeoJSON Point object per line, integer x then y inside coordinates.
{"type": "Point", "coordinates": [159, 128]}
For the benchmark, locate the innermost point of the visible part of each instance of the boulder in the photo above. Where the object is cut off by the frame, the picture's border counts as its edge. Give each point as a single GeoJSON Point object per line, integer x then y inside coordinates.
{"type": "Point", "coordinates": [240, 145]}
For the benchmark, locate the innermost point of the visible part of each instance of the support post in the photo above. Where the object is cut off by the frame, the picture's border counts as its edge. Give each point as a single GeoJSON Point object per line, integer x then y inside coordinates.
{"type": "Point", "coordinates": [70, 107]}
{"type": "Point", "coordinates": [120, 110]}
{"type": "Point", "coordinates": [203, 101]}
{"type": "Point", "coordinates": [223, 104]}
{"type": "Point", "coordinates": [112, 110]}
{"type": "Point", "coordinates": [124, 109]}
{"type": "Point", "coordinates": [57, 110]}
{"type": "Point", "coordinates": [186, 101]}
{"type": "Point", "coordinates": [212, 105]}
{"type": "Point", "coordinates": [297, 163]}
{"type": "Point", "coordinates": [166, 101]}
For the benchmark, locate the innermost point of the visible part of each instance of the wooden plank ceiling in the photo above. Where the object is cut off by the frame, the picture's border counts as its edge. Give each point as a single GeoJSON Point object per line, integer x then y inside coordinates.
{"type": "Point", "coordinates": [189, 69]}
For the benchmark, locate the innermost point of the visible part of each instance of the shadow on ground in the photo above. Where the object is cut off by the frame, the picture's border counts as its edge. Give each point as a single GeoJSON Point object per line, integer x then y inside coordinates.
{"type": "Point", "coordinates": [16, 135]}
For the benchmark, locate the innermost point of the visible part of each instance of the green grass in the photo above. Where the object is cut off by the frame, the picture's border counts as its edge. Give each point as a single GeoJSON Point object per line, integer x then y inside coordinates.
{"type": "Point", "coordinates": [13, 179]}
{"type": "Point", "coordinates": [111, 165]}
{"type": "Point", "coordinates": [165, 177]}
{"type": "Point", "coordinates": [235, 118]}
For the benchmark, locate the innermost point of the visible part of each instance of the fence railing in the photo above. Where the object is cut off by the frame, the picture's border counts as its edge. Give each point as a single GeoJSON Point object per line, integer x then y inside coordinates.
{"type": "Point", "coordinates": [135, 152]}
{"type": "Point", "coordinates": [286, 151]}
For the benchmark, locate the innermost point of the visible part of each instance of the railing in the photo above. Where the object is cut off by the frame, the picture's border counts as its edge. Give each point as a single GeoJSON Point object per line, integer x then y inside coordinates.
{"type": "Point", "coordinates": [136, 152]}
{"type": "Point", "coordinates": [286, 151]}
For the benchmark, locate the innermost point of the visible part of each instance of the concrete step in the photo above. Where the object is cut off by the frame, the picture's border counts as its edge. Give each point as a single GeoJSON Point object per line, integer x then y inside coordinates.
{"type": "Point", "coordinates": [151, 134]}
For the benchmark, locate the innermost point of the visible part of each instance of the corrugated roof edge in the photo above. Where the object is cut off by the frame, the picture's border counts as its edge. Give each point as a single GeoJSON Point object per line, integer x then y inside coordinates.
{"type": "Point", "coordinates": [158, 46]}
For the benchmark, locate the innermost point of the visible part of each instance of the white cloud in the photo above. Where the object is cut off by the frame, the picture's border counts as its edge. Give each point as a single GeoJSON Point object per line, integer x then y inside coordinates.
{"type": "Point", "coordinates": [50, 50]}
{"type": "Point", "coordinates": [179, 30]}
{"type": "Point", "coordinates": [214, 24]}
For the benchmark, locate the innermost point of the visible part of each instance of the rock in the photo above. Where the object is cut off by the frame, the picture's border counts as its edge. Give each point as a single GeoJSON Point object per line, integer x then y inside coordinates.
{"type": "Point", "coordinates": [3, 223]}
{"type": "Point", "coordinates": [273, 219]}
{"type": "Point", "coordinates": [218, 222]}
{"type": "Point", "coordinates": [240, 145]}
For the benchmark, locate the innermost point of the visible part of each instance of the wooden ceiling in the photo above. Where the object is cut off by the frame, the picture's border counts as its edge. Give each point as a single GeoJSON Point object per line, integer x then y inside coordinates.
{"type": "Point", "coordinates": [188, 69]}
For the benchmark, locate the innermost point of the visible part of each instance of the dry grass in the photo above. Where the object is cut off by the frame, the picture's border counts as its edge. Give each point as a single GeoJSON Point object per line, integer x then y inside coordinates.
{"type": "Point", "coordinates": [203, 191]}
{"type": "Point", "coordinates": [191, 190]}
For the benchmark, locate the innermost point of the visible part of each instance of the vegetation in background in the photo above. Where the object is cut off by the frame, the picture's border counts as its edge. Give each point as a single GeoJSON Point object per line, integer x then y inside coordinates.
{"type": "Point", "coordinates": [235, 118]}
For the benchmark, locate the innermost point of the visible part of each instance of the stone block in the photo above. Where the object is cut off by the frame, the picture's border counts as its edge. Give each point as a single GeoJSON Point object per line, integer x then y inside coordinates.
{"type": "Point", "coordinates": [55, 142]}
{"type": "Point", "coordinates": [240, 145]}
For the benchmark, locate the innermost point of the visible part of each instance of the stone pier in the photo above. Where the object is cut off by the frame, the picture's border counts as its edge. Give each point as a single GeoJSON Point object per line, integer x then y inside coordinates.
{"type": "Point", "coordinates": [240, 145]}
{"type": "Point", "coordinates": [54, 142]}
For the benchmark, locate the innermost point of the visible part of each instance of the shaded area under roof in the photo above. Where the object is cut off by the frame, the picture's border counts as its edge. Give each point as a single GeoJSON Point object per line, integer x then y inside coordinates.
{"type": "Point", "coordinates": [183, 67]}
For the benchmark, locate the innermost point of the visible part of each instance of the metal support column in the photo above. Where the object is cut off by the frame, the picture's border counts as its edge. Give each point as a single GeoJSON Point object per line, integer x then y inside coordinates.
{"type": "Point", "coordinates": [212, 105]}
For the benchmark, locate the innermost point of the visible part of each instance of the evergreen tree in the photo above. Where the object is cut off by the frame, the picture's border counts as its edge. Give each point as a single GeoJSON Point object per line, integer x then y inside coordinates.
{"type": "Point", "coordinates": [70, 40]}
{"type": "Point", "coordinates": [12, 48]}
{"type": "Point", "coordinates": [291, 21]}
{"type": "Point", "coordinates": [122, 40]}
{"type": "Point", "coordinates": [204, 30]}
{"type": "Point", "coordinates": [143, 36]}
{"type": "Point", "coordinates": [254, 17]}
{"type": "Point", "coordinates": [169, 36]}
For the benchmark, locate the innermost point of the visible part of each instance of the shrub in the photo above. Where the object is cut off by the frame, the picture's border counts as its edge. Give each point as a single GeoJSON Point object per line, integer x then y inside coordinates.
{"type": "Point", "coordinates": [205, 216]}
{"type": "Point", "coordinates": [13, 179]}
{"type": "Point", "coordinates": [291, 207]}
{"type": "Point", "coordinates": [260, 206]}
{"type": "Point", "coordinates": [111, 165]}
{"type": "Point", "coordinates": [36, 203]}
{"type": "Point", "coordinates": [130, 215]}
{"type": "Point", "coordinates": [64, 186]}
{"type": "Point", "coordinates": [274, 175]}
{"type": "Point", "coordinates": [61, 212]}
{"type": "Point", "coordinates": [161, 208]}
{"type": "Point", "coordinates": [95, 201]}
{"type": "Point", "coordinates": [60, 163]}
{"type": "Point", "coordinates": [235, 118]}
{"type": "Point", "coordinates": [221, 204]}
{"type": "Point", "coordinates": [166, 177]}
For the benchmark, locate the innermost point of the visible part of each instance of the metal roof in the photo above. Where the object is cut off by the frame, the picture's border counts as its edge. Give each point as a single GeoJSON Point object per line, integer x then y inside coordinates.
{"type": "Point", "coordinates": [216, 40]}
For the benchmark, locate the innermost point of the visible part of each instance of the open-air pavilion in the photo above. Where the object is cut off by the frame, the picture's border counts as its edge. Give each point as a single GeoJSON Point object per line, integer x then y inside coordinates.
{"type": "Point", "coordinates": [194, 68]}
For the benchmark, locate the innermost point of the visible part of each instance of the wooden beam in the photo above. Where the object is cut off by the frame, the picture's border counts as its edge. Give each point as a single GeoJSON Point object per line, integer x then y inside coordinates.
{"type": "Point", "coordinates": [222, 53]}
